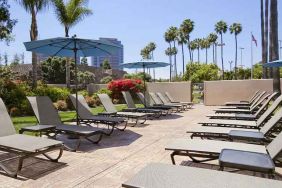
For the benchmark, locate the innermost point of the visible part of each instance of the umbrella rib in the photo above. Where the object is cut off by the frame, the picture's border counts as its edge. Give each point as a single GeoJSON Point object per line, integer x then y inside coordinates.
{"type": "Point", "coordinates": [62, 48]}
{"type": "Point", "coordinates": [94, 46]}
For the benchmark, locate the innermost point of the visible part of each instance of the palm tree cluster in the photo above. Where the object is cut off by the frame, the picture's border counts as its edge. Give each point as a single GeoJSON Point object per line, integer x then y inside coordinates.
{"type": "Point", "coordinates": [68, 13]}
{"type": "Point", "coordinates": [183, 36]}
{"type": "Point", "coordinates": [148, 51]}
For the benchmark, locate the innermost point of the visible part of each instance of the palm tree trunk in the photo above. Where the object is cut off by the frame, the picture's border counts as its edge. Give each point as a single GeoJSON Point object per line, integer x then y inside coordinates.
{"type": "Point", "coordinates": [68, 68]}
{"type": "Point", "coordinates": [175, 67]}
{"type": "Point", "coordinates": [266, 33]}
{"type": "Point", "coordinates": [213, 54]}
{"type": "Point", "coordinates": [222, 65]}
{"type": "Point", "coordinates": [206, 55]}
{"type": "Point", "coordinates": [192, 55]}
{"type": "Point", "coordinates": [264, 48]}
{"type": "Point", "coordinates": [274, 47]}
{"type": "Point", "coordinates": [236, 54]}
{"type": "Point", "coordinates": [33, 36]}
{"type": "Point", "coordinates": [198, 55]}
{"type": "Point", "coordinates": [183, 60]}
{"type": "Point", "coordinates": [189, 49]}
{"type": "Point", "coordinates": [170, 62]}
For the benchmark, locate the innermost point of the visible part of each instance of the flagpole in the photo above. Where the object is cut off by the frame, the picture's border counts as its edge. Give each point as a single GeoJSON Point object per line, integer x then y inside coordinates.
{"type": "Point", "coordinates": [251, 56]}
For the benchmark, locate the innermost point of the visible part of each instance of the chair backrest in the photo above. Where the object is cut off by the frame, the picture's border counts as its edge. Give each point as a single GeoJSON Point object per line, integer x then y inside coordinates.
{"type": "Point", "coordinates": [258, 101]}
{"type": "Point", "coordinates": [254, 96]}
{"type": "Point", "coordinates": [272, 122]}
{"type": "Point", "coordinates": [274, 148]}
{"type": "Point", "coordinates": [164, 100]}
{"type": "Point", "coordinates": [265, 104]}
{"type": "Point", "coordinates": [169, 97]}
{"type": "Point", "coordinates": [128, 99]}
{"type": "Point", "coordinates": [6, 126]}
{"type": "Point", "coordinates": [155, 98]}
{"type": "Point", "coordinates": [44, 110]}
{"type": "Point", "coordinates": [149, 101]}
{"type": "Point", "coordinates": [269, 111]}
{"type": "Point", "coordinates": [107, 103]}
{"type": "Point", "coordinates": [83, 111]}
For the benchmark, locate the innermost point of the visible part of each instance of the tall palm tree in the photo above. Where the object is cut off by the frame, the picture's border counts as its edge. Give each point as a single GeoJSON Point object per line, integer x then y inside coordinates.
{"type": "Point", "coordinates": [33, 7]}
{"type": "Point", "coordinates": [213, 38]}
{"type": "Point", "coordinates": [173, 33]}
{"type": "Point", "coordinates": [263, 47]}
{"type": "Point", "coordinates": [169, 38]}
{"type": "Point", "coordinates": [221, 28]}
{"type": "Point", "coordinates": [197, 43]}
{"type": "Point", "coordinates": [193, 47]}
{"type": "Point", "coordinates": [187, 27]}
{"type": "Point", "coordinates": [274, 47]}
{"type": "Point", "coordinates": [69, 14]}
{"type": "Point", "coordinates": [205, 44]}
{"type": "Point", "coordinates": [181, 41]}
{"type": "Point", "coordinates": [145, 53]}
{"type": "Point", "coordinates": [236, 28]}
{"type": "Point", "coordinates": [266, 33]}
{"type": "Point", "coordinates": [152, 46]}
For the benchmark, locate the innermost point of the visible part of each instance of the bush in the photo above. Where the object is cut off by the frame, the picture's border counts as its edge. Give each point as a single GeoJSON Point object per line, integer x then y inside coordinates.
{"type": "Point", "coordinates": [55, 93]}
{"type": "Point", "coordinates": [61, 105]}
{"type": "Point", "coordinates": [106, 79]}
{"type": "Point", "coordinates": [117, 86]}
{"type": "Point", "coordinates": [91, 101]}
{"type": "Point", "coordinates": [138, 76]}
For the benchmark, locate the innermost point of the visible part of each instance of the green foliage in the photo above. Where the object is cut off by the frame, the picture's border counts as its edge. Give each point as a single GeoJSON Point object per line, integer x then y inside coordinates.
{"type": "Point", "coordinates": [221, 27]}
{"type": "Point", "coordinates": [7, 24]}
{"type": "Point", "coordinates": [106, 64]}
{"type": "Point", "coordinates": [106, 79]}
{"type": "Point", "coordinates": [139, 75]}
{"type": "Point", "coordinates": [16, 60]}
{"type": "Point", "coordinates": [197, 72]}
{"type": "Point", "coordinates": [85, 77]}
{"type": "Point", "coordinates": [84, 61]}
{"type": "Point", "coordinates": [235, 28]}
{"type": "Point", "coordinates": [6, 73]}
{"type": "Point", "coordinates": [55, 93]}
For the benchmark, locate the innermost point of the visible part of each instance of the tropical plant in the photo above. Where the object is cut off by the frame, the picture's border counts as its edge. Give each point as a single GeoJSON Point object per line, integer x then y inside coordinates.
{"type": "Point", "coordinates": [187, 27]}
{"type": "Point", "coordinates": [273, 46]}
{"type": "Point", "coordinates": [181, 38]}
{"type": "Point", "coordinates": [197, 43]}
{"type": "Point", "coordinates": [145, 53]}
{"type": "Point", "coordinates": [106, 79]}
{"type": "Point", "coordinates": [69, 14]}
{"type": "Point", "coordinates": [205, 44]}
{"type": "Point", "coordinates": [7, 24]}
{"type": "Point", "coordinates": [221, 28]}
{"type": "Point", "coordinates": [236, 28]}
{"type": "Point", "coordinates": [151, 47]}
{"type": "Point", "coordinates": [33, 7]}
{"type": "Point", "coordinates": [106, 64]}
{"type": "Point", "coordinates": [138, 76]}
{"type": "Point", "coordinates": [193, 47]}
{"type": "Point", "coordinates": [169, 38]}
{"type": "Point", "coordinates": [213, 38]}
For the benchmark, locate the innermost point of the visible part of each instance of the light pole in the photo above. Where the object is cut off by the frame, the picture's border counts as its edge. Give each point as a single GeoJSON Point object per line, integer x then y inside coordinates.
{"type": "Point", "coordinates": [280, 49]}
{"type": "Point", "coordinates": [230, 63]}
{"type": "Point", "coordinates": [241, 49]}
{"type": "Point", "coordinates": [221, 45]}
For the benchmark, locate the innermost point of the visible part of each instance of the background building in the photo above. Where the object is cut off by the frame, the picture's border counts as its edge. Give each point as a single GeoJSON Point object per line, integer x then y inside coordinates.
{"type": "Point", "coordinates": [114, 59]}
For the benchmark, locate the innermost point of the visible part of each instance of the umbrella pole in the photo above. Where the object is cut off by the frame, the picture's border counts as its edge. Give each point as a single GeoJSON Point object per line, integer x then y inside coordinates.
{"type": "Point", "coordinates": [76, 82]}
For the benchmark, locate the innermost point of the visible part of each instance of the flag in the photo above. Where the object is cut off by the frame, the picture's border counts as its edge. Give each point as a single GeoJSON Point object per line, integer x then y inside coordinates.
{"type": "Point", "coordinates": [254, 40]}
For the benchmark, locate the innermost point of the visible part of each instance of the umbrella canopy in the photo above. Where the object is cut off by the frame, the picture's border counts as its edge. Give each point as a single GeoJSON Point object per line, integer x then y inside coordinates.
{"type": "Point", "coordinates": [144, 64]}
{"type": "Point", "coordinates": [72, 47]}
{"type": "Point", "coordinates": [277, 63]}
{"type": "Point", "coordinates": [65, 47]}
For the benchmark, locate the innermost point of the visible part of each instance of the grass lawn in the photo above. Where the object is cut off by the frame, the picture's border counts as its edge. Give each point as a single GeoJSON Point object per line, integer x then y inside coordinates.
{"type": "Point", "coordinates": [25, 121]}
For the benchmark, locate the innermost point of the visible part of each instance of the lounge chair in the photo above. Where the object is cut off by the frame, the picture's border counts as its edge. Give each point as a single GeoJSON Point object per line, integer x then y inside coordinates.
{"type": "Point", "coordinates": [253, 108]}
{"type": "Point", "coordinates": [111, 111]}
{"type": "Point", "coordinates": [149, 103]}
{"type": "Point", "coordinates": [249, 117]}
{"type": "Point", "coordinates": [172, 100]}
{"type": "Point", "coordinates": [249, 102]}
{"type": "Point", "coordinates": [208, 150]}
{"type": "Point", "coordinates": [264, 135]}
{"type": "Point", "coordinates": [46, 114]}
{"type": "Point", "coordinates": [157, 175]}
{"type": "Point", "coordinates": [132, 107]}
{"type": "Point", "coordinates": [167, 102]}
{"type": "Point", "coordinates": [158, 102]}
{"type": "Point", "coordinates": [22, 146]}
{"type": "Point", "coordinates": [86, 117]}
{"type": "Point", "coordinates": [245, 124]}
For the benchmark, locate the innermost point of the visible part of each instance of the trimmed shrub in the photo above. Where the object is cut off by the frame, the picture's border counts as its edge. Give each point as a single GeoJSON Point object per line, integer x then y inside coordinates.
{"type": "Point", "coordinates": [55, 93]}
{"type": "Point", "coordinates": [61, 105]}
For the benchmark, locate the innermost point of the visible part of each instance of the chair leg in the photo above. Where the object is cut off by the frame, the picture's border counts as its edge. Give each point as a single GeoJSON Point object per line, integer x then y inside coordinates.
{"type": "Point", "coordinates": [56, 159]}
{"type": "Point", "coordinates": [11, 173]}
{"type": "Point", "coordinates": [96, 141]}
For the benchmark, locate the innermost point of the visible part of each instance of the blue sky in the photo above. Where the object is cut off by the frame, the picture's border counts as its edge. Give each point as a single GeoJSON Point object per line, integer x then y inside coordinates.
{"type": "Point", "coordinates": [138, 22]}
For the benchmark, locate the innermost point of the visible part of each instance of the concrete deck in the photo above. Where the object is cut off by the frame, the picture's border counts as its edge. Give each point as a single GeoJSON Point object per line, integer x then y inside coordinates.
{"type": "Point", "coordinates": [116, 158]}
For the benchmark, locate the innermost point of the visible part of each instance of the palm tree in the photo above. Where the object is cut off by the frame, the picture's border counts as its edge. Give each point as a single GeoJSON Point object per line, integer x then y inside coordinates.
{"type": "Point", "coordinates": [266, 33]}
{"type": "Point", "coordinates": [221, 28]}
{"type": "Point", "coordinates": [174, 33]}
{"type": "Point", "coordinates": [197, 42]}
{"type": "Point", "coordinates": [152, 46]}
{"type": "Point", "coordinates": [181, 41]}
{"type": "Point", "coordinates": [274, 47]}
{"type": "Point", "coordinates": [193, 47]}
{"type": "Point", "coordinates": [69, 14]}
{"type": "Point", "coordinates": [169, 38]}
{"type": "Point", "coordinates": [187, 27]}
{"type": "Point", "coordinates": [213, 38]}
{"type": "Point", "coordinates": [205, 44]}
{"type": "Point", "coordinates": [33, 7]}
{"type": "Point", "coordinates": [236, 28]}
{"type": "Point", "coordinates": [145, 53]}
{"type": "Point", "coordinates": [263, 47]}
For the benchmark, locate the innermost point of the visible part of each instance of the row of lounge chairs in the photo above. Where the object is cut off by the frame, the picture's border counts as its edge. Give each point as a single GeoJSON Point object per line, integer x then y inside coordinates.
{"type": "Point", "coordinates": [50, 124]}
{"type": "Point", "coordinates": [254, 145]}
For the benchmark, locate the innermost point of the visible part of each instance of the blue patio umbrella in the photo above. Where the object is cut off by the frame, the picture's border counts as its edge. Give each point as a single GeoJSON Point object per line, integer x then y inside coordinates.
{"type": "Point", "coordinates": [277, 63]}
{"type": "Point", "coordinates": [72, 47]}
{"type": "Point", "coordinates": [144, 65]}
